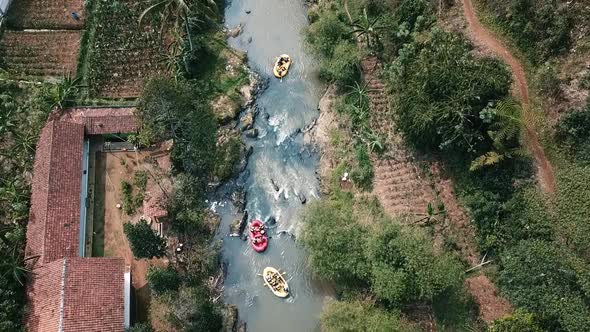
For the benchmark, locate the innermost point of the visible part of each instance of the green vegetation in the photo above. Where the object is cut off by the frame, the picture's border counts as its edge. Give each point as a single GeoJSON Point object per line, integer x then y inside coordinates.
{"type": "Point", "coordinates": [443, 97]}
{"type": "Point", "coordinates": [541, 28]}
{"type": "Point", "coordinates": [132, 202]}
{"type": "Point", "coordinates": [23, 111]}
{"type": "Point", "coordinates": [140, 179]}
{"type": "Point", "coordinates": [330, 37]}
{"type": "Point", "coordinates": [168, 109]}
{"type": "Point", "coordinates": [519, 321]}
{"type": "Point", "coordinates": [544, 278]}
{"type": "Point", "coordinates": [572, 132]}
{"type": "Point", "coordinates": [397, 264]}
{"type": "Point", "coordinates": [163, 280]}
{"type": "Point", "coordinates": [405, 268]}
{"type": "Point", "coordinates": [140, 327]}
{"type": "Point", "coordinates": [438, 93]}
{"type": "Point", "coordinates": [354, 243]}
{"type": "Point", "coordinates": [144, 241]}
{"type": "Point", "coordinates": [331, 40]}
{"type": "Point", "coordinates": [361, 317]}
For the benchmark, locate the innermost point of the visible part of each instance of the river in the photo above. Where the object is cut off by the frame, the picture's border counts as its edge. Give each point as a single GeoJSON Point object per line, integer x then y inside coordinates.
{"type": "Point", "coordinates": [273, 27]}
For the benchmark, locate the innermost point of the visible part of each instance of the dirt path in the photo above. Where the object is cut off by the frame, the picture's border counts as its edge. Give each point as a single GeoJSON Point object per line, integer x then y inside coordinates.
{"type": "Point", "coordinates": [487, 39]}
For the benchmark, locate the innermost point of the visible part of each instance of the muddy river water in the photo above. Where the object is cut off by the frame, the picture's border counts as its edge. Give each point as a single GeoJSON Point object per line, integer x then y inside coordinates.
{"type": "Point", "coordinates": [270, 28]}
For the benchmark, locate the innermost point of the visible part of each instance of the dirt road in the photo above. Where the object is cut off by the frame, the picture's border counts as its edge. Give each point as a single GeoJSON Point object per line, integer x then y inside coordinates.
{"type": "Point", "coordinates": [485, 38]}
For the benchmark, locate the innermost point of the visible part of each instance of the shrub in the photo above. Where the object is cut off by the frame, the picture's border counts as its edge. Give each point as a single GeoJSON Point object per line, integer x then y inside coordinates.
{"type": "Point", "coordinates": [324, 34]}
{"type": "Point", "coordinates": [406, 269]}
{"type": "Point", "coordinates": [144, 241]}
{"type": "Point", "coordinates": [128, 201]}
{"type": "Point", "coordinates": [140, 179]}
{"type": "Point", "coordinates": [140, 327]}
{"type": "Point", "coordinates": [572, 194]}
{"type": "Point", "coordinates": [342, 67]}
{"type": "Point", "coordinates": [548, 82]}
{"type": "Point", "coordinates": [192, 311]}
{"type": "Point", "coordinates": [362, 174]}
{"type": "Point", "coordinates": [335, 241]}
{"type": "Point", "coordinates": [438, 93]}
{"type": "Point", "coordinates": [540, 27]}
{"type": "Point", "coordinates": [519, 321]}
{"type": "Point", "coordinates": [542, 278]}
{"type": "Point", "coordinates": [163, 279]}
{"type": "Point", "coordinates": [572, 132]}
{"type": "Point", "coordinates": [341, 316]}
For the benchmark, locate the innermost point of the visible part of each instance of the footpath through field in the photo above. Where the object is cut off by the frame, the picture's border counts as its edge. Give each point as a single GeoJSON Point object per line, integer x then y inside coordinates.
{"type": "Point", "coordinates": [484, 37]}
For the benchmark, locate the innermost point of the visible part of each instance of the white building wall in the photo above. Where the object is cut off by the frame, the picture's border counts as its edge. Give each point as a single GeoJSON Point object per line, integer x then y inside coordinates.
{"type": "Point", "coordinates": [127, 297]}
{"type": "Point", "coordinates": [4, 7]}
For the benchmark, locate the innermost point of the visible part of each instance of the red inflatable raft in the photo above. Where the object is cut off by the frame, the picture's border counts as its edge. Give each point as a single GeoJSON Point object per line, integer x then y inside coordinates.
{"type": "Point", "coordinates": [258, 236]}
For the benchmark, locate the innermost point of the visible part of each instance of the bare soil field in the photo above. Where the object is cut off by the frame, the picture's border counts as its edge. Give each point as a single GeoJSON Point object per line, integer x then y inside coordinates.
{"type": "Point", "coordinates": [114, 168]}
{"type": "Point", "coordinates": [40, 53]}
{"type": "Point", "coordinates": [46, 14]}
{"type": "Point", "coordinates": [123, 55]}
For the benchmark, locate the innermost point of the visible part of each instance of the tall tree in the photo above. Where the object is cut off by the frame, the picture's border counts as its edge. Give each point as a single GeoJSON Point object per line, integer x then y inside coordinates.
{"type": "Point", "coordinates": [178, 12]}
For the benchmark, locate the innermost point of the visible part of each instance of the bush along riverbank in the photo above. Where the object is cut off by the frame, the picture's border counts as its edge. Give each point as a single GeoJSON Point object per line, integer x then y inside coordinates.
{"type": "Point", "coordinates": [388, 273]}
{"type": "Point", "coordinates": [197, 107]}
{"type": "Point", "coordinates": [450, 102]}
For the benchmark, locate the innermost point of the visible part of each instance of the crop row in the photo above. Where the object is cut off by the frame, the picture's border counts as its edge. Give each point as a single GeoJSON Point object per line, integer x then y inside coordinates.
{"type": "Point", "coordinates": [123, 55]}
{"type": "Point", "coordinates": [40, 53]}
{"type": "Point", "coordinates": [46, 14]}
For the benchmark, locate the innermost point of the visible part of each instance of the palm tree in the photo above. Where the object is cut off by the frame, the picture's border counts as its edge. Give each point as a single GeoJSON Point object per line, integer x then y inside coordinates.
{"type": "Point", "coordinates": [360, 92]}
{"type": "Point", "coordinates": [14, 266]}
{"type": "Point", "coordinates": [64, 93]}
{"type": "Point", "coordinates": [506, 127]}
{"type": "Point", "coordinates": [178, 11]}
{"type": "Point", "coordinates": [367, 27]}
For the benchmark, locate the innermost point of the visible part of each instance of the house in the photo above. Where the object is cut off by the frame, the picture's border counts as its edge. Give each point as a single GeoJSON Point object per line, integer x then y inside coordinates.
{"type": "Point", "coordinates": [69, 292]}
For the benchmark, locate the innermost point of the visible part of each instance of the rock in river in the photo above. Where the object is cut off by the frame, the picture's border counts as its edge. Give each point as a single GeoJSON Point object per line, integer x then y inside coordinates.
{"type": "Point", "coordinates": [302, 198]}
{"type": "Point", "coordinates": [247, 120]}
{"type": "Point", "coordinates": [274, 184]}
{"type": "Point", "coordinates": [252, 133]}
{"type": "Point", "coordinates": [236, 31]}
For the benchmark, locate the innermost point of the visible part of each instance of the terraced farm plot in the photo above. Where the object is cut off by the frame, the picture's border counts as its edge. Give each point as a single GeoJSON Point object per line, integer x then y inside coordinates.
{"type": "Point", "coordinates": [40, 53]}
{"type": "Point", "coordinates": [46, 14]}
{"type": "Point", "coordinates": [123, 55]}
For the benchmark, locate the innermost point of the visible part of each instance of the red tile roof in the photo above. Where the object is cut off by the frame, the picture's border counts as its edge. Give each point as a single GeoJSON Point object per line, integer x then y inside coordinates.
{"type": "Point", "coordinates": [52, 231]}
{"type": "Point", "coordinates": [100, 121]}
{"type": "Point", "coordinates": [78, 295]}
{"type": "Point", "coordinates": [44, 297]}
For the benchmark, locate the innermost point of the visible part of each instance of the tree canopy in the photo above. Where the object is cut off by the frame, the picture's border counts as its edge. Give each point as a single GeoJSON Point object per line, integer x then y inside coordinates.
{"type": "Point", "coordinates": [398, 264]}
{"type": "Point", "coordinates": [335, 241]}
{"type": "Point", "coordinates": [144, 241]}
{"type": "Point", "coordinates": [167, 109]}
{"type": "Point", "coordinates": [543, 278]}
{"type": "Point", "coordinates": [438, 91]}
{"type": "Point", "coordinates": [163, 279]}
{"type": "Point", "coordinates": [405, 267]}
{"type": "Point", "coordinates": [361, 317]}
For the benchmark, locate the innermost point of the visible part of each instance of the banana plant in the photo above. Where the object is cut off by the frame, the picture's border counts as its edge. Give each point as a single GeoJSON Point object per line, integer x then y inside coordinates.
{"type": "Point", "coordinates": [367, 28]}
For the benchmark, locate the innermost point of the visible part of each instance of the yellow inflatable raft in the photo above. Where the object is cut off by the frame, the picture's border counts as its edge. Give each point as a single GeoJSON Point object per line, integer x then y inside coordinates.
{"type": "Point", "coordinates": [274, 280]}
{"type": "Point", "coordinates": [282, 66]}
